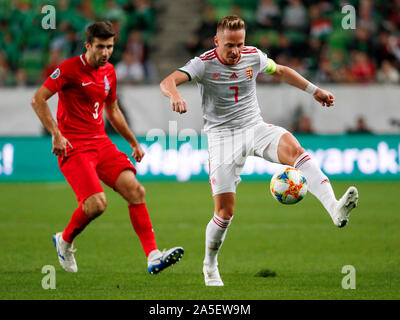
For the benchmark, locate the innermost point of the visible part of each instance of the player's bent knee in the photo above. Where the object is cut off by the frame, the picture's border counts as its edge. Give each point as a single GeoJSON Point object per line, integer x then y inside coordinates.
{"type": "Point", "coordinates": [137, 194]}
{"type": "Point", "coordinates": [97, 209]}
{"type": "Point", "coordinates": [297, 152]}
{"type": "Point", "coordinates": [294, 152]}
{"type": "Point", "coordinates": [101, 205]}
{"type": "Point", "coordinates": [141, 191]}
{"type": "Point", "coordinates": [289, 149]}
{"type": "Point", "coordinates": [225, 213]}
{"type": "Point", "coordinates": [95, 205]}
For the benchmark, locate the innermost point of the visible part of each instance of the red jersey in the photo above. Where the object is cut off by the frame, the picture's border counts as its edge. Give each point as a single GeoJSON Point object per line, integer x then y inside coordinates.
{"type": "Point", "coordinates": [82, 92]}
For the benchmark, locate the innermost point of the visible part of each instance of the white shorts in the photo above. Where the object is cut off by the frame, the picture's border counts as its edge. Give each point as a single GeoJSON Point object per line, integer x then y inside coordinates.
{"type": "Point", "coordinates": [229, 149]}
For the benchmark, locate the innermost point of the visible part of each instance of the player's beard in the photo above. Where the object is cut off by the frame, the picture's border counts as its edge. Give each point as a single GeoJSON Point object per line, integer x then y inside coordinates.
{"type": "Point", "coordinates": [101, 61]}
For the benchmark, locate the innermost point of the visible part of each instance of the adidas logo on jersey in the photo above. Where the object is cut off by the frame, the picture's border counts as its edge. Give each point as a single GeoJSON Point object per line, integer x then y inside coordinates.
{"type": "Point", "coordinates": [233, 76]}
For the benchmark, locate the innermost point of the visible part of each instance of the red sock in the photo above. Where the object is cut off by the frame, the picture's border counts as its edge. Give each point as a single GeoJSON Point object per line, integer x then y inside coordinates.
{"type": "Point", "coordinates": [78, 222]}
{"type": "Point", "coordinates": [141, 223]}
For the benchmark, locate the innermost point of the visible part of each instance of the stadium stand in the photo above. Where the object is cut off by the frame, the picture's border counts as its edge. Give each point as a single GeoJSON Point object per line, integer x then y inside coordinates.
{"type": "Point", "coordinates": [308, 36]}
{"type": "Point", "coordinates": [27, 53]}
{"type": "Point", "coordinates": [305, 35]}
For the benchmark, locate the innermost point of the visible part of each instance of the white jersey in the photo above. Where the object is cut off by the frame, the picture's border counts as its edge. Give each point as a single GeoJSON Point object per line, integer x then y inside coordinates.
{"type": "Point", "coordinates": [228, 92]}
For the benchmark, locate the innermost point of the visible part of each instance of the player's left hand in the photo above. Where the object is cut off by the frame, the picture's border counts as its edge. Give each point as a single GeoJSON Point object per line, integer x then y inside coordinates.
{"type": "Point", "coordinates": [325, 98]}
{"type": "Point", "coordinates": [137, 152]}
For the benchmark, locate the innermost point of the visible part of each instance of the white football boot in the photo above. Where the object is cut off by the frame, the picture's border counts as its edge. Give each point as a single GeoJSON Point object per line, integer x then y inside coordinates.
{"type": "Point", "coordinates": [211, 276]}
{"type": "Point", "coordinates": [343, 207]}
{"type": "Point", "coordinates": [158, 261]}
{"type": "Point", "coordinates": [65, 253]}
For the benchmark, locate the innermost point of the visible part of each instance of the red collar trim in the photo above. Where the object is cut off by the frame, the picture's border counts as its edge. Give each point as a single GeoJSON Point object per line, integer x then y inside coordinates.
{"type": "Point", "coordinates": [215, 50]}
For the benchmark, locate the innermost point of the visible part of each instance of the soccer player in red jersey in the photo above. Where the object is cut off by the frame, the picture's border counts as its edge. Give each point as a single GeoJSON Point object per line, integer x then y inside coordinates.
{"type": "Point", "coordinates": [85, 84]}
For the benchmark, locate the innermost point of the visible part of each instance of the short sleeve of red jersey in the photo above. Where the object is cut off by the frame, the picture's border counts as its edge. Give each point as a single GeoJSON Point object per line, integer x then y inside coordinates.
{"type": "Point", "coordinates": [112, 95]}
{"type": "Point", "coordinates": [57, 79]}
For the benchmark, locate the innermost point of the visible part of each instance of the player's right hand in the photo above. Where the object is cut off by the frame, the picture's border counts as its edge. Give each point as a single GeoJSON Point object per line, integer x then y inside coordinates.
{"type": "Point", "coordinates": [178, 104]}
{"type": "Point", "coordinates": [325, 98]}
{"type": "Point", "coordinates": [60, 144]}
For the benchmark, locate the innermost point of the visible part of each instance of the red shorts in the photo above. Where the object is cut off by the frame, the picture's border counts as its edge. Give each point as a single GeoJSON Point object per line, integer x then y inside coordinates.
{"type": "Point", "coordinates": [85, 166]}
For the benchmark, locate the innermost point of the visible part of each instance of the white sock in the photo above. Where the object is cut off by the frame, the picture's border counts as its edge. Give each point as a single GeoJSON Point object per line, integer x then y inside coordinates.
{"type": "Point", "coordinates": [215, 236]}
{"type": "Point", "coordinates": [317, 182]}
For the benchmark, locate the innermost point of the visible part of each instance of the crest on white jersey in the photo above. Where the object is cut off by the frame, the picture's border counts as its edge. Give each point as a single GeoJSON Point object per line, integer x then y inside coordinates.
{"type": "Point", "coordinates": [249, 73]}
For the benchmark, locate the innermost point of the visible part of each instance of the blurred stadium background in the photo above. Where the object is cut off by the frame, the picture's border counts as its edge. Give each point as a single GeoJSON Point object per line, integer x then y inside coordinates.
{"type": "Point", "coordinates": [360, 66]}
{"type": "Point", "coordinates": [357, 140]}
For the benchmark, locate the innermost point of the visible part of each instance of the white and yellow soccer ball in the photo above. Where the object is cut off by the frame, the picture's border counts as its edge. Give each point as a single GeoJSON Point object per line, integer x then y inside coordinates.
{"type": "Point", "coordinates": [288, 186]}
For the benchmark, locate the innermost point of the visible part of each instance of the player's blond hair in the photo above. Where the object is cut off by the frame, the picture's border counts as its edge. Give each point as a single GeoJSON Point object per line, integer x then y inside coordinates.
{"type": "Point", "coordinates": [232, 23]}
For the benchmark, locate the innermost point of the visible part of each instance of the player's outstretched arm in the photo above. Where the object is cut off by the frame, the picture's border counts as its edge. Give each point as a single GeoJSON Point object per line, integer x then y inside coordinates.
{"type": "Point", "coordinates": [118, 121]}
{"type": "Point", "coordinates": [40, 106]}
{"type": "Point", "coordinates": [290, 76]}
{"type": "Point", "coordinates": [168, 89]}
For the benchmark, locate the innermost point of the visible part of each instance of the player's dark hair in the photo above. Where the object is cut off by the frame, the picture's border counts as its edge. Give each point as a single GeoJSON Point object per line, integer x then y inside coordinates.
{"type": "Point", "coordinates": [102, 30]}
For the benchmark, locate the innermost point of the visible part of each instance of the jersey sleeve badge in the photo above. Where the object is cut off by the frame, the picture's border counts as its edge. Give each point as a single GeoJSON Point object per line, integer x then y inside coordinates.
{"type": "Point", "coordinates": [55, 74]}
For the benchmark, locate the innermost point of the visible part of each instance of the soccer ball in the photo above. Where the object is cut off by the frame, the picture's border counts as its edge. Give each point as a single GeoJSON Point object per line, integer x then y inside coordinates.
{"type": "Point", "coordinates": [288, 186]}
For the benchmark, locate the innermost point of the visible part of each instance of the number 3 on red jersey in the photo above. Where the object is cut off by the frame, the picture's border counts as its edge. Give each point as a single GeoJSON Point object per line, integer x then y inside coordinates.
{"type": "Point", "coordinates": [96, 109]}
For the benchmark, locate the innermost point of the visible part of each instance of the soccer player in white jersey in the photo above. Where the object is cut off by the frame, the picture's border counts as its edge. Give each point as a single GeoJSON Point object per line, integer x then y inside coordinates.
{"type": "Point", "coordinates": [226, 76]}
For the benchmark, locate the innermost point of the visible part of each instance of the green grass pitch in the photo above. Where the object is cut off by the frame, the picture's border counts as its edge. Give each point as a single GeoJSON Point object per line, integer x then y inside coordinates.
{"type": "Point", "coordinates": [271, 251]}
